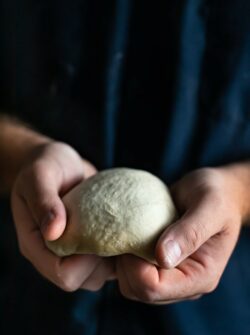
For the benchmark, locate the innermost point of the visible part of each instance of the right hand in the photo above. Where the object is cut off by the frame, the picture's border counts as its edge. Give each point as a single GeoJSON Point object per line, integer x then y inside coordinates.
{"type": "Point", "coordinates": [39, 213]}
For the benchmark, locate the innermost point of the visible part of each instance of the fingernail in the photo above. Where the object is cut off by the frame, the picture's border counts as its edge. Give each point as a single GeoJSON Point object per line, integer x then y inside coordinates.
{"type": "Point", "coordinates": [172, 253]}
{"type": "Point", "coordinates": [47, 220]}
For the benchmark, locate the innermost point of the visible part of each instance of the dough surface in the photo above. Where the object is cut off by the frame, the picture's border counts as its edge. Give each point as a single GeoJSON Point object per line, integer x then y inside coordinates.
{"type": "Point", "coordinates": [116, 211]}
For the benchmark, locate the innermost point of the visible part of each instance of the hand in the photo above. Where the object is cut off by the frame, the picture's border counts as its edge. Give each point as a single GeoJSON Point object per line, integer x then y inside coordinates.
{"type": "Point", "coordinates": [51, 171]}
{"type": "Point", "coordinates": [193, 251]}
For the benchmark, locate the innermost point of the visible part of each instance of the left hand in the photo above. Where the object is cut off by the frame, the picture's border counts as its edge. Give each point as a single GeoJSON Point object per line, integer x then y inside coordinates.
{"type": "Point", "coordinates": [193, 251]}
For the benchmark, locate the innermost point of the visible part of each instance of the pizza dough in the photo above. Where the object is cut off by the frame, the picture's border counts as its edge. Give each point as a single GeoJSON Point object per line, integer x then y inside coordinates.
{"type": "Point", "coordinates": [116, 211]}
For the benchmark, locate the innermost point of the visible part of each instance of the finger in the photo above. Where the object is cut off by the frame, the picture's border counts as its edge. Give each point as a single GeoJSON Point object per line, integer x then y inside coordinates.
{"type": "Point", "coordinates": [151, 285]}
{"type": "Point", "coordinates": [196, 275]}
{"type": "Point", "coordinates": [186, 235]}
{"type": "Point", "coordinates": [44, 202]}
{"type": "Point", "coordinates": [88, 169]}
{"type": "Point", "coordinates": [76, 269]}
{"type": "Point", "coordinates": [67, 273]}
{"type": "Point", "coordinates": [136, 278]}
{"type": "Point", "coordinates": [104, 270]}
{"type": "Point", "coordinates": [123, 280]}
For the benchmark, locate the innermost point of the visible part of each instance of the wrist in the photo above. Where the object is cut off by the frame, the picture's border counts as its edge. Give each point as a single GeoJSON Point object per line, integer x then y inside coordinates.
{"type": "Point", "coordinates": [17, 143]}
{"type": "Point", "coordinates": [238, 181]}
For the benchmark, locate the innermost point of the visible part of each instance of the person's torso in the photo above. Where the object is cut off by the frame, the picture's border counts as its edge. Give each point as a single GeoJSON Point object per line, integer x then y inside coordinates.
{"type": "Point", "coordinates": [160, 86]}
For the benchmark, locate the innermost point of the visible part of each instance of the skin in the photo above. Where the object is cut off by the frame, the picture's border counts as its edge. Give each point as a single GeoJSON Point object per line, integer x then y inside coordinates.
{"type": "Point", "coordinates": [212, 207]}
{"type": "Point", "coordinates": [212, 202]}
{"type": "Point", "coordinates": [38, 172]}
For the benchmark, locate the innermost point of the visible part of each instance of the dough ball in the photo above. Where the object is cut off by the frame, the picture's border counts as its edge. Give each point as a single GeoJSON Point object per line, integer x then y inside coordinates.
{"type": "Point", "coordinates": [117, 211]}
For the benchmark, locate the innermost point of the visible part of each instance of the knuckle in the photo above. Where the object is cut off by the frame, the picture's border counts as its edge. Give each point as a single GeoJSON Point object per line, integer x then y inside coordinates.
{"type": "Point", "coordinates": [193, 237]}
{"type": "Point", "coordinates": [66, 281]}
{"type": "Point", "coordinates": [40, 169]}
{"type": "Point", "coordinates": [67, 284]}
{"type": "Point", "coordinates": [147, 295]}
{"type": "Point", "coordinates": [37, 167]}
{"type": "Point", "coordinates": [212, 286]}
{"type": "Point", "coordinates": [146, 289]}
{"type": "Point", "coordinates": [45, 206]}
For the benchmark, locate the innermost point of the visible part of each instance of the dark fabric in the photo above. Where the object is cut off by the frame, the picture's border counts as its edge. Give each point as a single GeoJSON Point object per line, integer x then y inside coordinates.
{"type": "Point", "coordinates": [163, 86]}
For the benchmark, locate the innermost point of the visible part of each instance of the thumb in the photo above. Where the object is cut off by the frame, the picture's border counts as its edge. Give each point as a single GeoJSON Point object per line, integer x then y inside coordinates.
{"type": "Point", "coordinates": [48, 211]}
{"type": "Point", "coordinates": [186, 235]}
{"type": "Point", "coordinates": [53, 219]}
